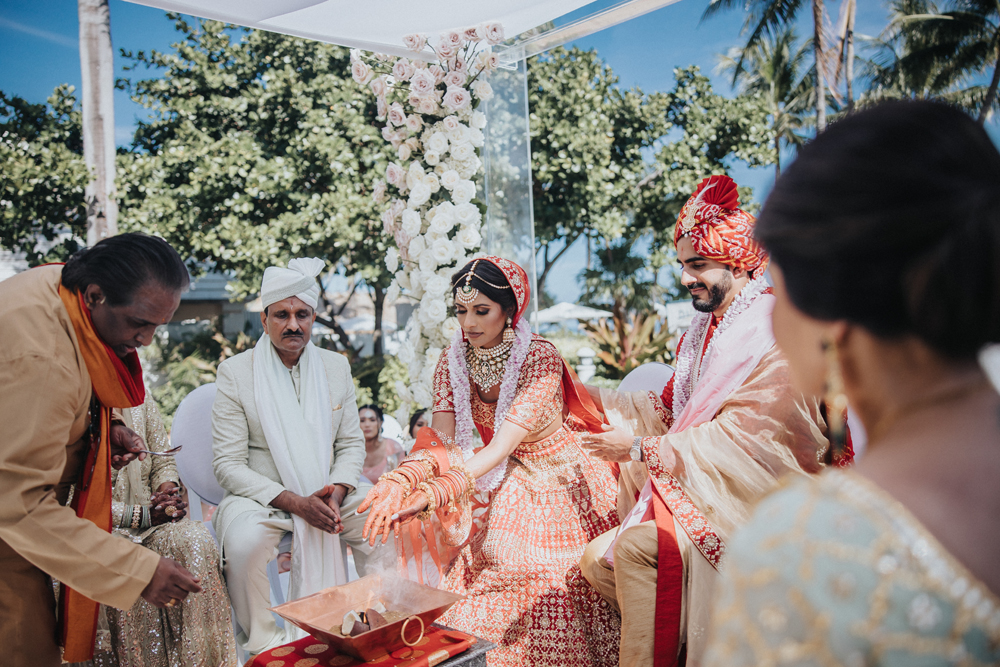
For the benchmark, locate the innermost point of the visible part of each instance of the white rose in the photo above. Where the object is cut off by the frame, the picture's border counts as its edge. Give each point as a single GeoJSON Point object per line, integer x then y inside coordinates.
{"type": "Point", "coordinates": [387, 221]}
{"type": "Point", "coordinates": [417, 247]}
{"type": "Point", "coordinates": [432, 158]}
{"type": "Point", "coordinates": [422, 395]}
{"type": "Point", "coordinates": [427, 372]}
{"type": "Point", "coordinates": [397, 207]}
{"type": "Point", "coordinates": [462, 151]}
{"type": "Point", "coordinates": [403, 279]}
{"type": "Point", "coordinates": [492, 32]}
{"type": "Point", "coordinates": [403, 152]}
{"type": "Point", "coordinates": [405, 355]}
{"type": "Point", "coordinates": [441, 224]}
{"type": "Point", "coordinates": [482, 89]}
{"type": "Point", "coordinates": [378, 192]}
{"type": "Point", "coordinates": [476, 137]}
{"type": "Point", "coordinates": [394, 173]}
{"type": "Point", "coordinates": [449, 327]}
{"type": "Point", "coordinates": [379, 86]}
{"type": "Point", "coordinates": [451, 124]}
{"type": "Point", "coordinates": [478, 120]}
{"type": "Point", "coordinates": [392, 260]}
{"type": "Point", "coordinates": [419, 195]}
{"type": "Point", "coordinates": [415, 170]}
{"type": "Point", "coordinates": [454, 78]}
{"type": "Point", "coordinates": [445, 210]}
{"type": "Point", "coordinates": [457, 98]}
{"type": "Point", "coordinates": [438, 142]}
{"type": "Point", "coordinates": [422, 83]}
{"type": "Point", "coordinates": [426, 261]}
{"type": "Point", "coordinates": [442, 251]}
{"type": "Point", "coordinates": [380, 108]}
{"type": "Point", "coordinates": [449, 179]}
{"type": "Point", "coordinates": [465, 215]}
{"type": "Point", "coordinates": [432, 309]}
{"type": "Point", "coordinates": [433, 182]}
{"type": "Point", "coordinates": [361, 72]}
{"type": "Point", "coordinates": [415, 42]}
{"type": "Point", "coordinates": [414, 123]}
{"type": "Point", "coordinates": [392, 294]}
{"type": "Point", "coordinates": [487, 61]}
{"type": "Point", "coordinates": [436, 284]}
{"type": "Point", "coordinates": [463, 192]}
{"type": "Point", "coordinates": [411, 223]}
{"type": "Point", "coordinates": [469, 238]}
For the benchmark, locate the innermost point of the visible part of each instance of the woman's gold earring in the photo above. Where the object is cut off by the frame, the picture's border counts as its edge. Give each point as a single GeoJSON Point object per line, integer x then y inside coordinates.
{"type": "Point", "coordinates": [835, 398]}
{"type": "Point", "coordinates": [508, 333]}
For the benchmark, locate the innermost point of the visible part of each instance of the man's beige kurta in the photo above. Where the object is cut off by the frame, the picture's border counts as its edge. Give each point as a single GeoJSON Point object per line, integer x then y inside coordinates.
{"type": "Point", "coordinates": [45, 393]}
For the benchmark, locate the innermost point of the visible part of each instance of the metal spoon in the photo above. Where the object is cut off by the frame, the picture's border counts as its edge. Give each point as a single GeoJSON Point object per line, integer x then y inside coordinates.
{"type": "Point", "coordinates": [170, 452]}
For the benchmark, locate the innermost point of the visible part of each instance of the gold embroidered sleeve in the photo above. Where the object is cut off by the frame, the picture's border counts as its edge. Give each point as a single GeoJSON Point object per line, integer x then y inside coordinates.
{"type": "Point", "coordinates": [443, 400]}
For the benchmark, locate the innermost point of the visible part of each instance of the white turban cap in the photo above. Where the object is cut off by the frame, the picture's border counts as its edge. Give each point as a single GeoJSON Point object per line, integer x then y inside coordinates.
{"type": "Point", "coordinates": [298, 280]}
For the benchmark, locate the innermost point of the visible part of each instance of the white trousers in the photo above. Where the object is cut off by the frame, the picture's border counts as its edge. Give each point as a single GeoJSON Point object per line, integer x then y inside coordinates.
{"type": "Point", "coordinates": [251, 542]}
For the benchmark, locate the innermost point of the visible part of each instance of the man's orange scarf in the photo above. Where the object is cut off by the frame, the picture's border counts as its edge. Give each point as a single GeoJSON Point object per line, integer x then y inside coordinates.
{"type": "Point", "coordinates": [117, 384]}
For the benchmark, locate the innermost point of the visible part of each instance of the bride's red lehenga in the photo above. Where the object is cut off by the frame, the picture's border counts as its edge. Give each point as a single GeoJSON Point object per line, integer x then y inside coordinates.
{"type": "Point", "coordinates": [519, 565]}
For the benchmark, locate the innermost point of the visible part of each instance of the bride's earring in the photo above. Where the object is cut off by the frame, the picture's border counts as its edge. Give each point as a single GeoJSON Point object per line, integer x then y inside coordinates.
{"type": "Point", "coordinates": [508, 333]}
{"type": "Point", "coordinates": [835, 398]}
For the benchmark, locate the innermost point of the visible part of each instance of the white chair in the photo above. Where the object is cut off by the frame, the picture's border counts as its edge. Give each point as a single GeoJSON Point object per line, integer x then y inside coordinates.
{"type": "Point", "coordinates": [653, 376]}
{"type": "Point", "coordinates": [192, 429]}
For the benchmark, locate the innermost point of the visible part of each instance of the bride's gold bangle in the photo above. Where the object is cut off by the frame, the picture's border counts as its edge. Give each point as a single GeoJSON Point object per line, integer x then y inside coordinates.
{"type": "Point", "coordinates": [431, 501]}
{"type": "Point", "coordinates": [393, 476]}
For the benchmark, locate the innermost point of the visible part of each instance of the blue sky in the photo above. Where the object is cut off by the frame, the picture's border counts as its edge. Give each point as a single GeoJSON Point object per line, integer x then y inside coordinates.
{"type": "Point", "coordinates": [38, 51]}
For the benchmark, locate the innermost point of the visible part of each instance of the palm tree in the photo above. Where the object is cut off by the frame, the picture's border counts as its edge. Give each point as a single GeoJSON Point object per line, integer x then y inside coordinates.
{"type": "Point", "coordinates": [766, 19]}
{"type": "Point", "coordinates": [772, 68]}
{"type": "Point", "coordinates": [97, 100]}
{"type": "Point", "coordinates": [924, 53]}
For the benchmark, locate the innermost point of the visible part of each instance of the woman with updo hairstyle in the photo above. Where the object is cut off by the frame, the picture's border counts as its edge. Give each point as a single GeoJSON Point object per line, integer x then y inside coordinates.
{"type": "Point", "coordinates": [381, 453]}
{"type": "Point", "coordinates": [522, 504]}
{"type": "Point", "coordinates": [884, 237]}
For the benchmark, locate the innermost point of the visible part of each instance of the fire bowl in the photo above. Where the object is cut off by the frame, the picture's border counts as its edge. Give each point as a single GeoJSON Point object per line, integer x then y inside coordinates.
{"type": "Point", "coordinates": [318, 613]}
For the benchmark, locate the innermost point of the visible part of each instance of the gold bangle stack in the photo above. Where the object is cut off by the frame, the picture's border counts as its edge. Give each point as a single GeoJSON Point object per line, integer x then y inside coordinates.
{"type": "Point", "coordinates": [393, 476]}
{"type": "Point", "coordinates": [431, 501]}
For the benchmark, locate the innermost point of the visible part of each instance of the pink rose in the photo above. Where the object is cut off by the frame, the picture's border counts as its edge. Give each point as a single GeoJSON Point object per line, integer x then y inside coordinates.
{"type": "Point", "coordinates": [456, 98]}
{"type": "Point", "coordinates": [404, 153]}
{"type": "Point", "coordinates": [472, 35]}
{"type": "Point", "coordinates": [387, 221]}
{"type": "Point", "coordinates": [460, 66]}
{"type": "Point", "coordinates": [413, 143]}
{"type": "Point", "coordinates": [396, 114]}
{"type": "Point", "coordinates": [451, 123]}
{"type": "Point", "coordinates": [403, 69]}
{"type": "Point", "coordinates": [454, 79]}
{"type": "Point", "coordinates": [396, 208]}
{"type": "Point", "coordinates": [378, 192]}
{"type": "Point", "coordinates": [415, 42]}
{"type": "Point", "coordinates": [446, 51]}
{"type": "Point", "coordinates": [414, 122]}
{"type": "Point", "coordinates": [380, 109]}
{"type": "Point", "coordinates": [422, 83]}
{"type": "Point", "coordinates": [438, 73]}
{"type": "Point", "coordinates": [394, 174]}
{"type": "Point", "coordinates": [361, 72]}
{"type": "Point", "coordinates": [427, 106]}
{"type": "Point", "coordinates": [452, 39]}
{"type": "Point", "coordinates": [379, 86]}
{"type": "Point", "coordinates": [493, 32]}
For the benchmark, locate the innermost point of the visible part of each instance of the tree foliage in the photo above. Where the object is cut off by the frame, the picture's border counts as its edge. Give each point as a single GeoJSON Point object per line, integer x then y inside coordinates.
{"type": "Point", "coordinates": [43, 212]}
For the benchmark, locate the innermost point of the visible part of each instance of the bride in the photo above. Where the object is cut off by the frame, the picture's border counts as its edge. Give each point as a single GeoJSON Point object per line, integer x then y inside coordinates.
{"type": "Point", "coordinates": [525, 504]}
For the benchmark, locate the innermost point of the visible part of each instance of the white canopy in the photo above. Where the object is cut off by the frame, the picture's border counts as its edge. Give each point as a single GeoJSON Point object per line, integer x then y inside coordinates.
{"type": "Point", "coordinates": [568, 311]}
{"type": "Point", "coordinates": [373, 25]}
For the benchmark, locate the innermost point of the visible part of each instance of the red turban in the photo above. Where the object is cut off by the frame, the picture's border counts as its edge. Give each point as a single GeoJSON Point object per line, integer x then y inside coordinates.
{"type": "Point", "coordinates": [719, 229]}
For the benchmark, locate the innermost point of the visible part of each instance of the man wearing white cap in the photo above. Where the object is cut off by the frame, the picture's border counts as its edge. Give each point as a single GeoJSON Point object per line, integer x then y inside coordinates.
{"type": "Point", "coordinates": [288, 451]}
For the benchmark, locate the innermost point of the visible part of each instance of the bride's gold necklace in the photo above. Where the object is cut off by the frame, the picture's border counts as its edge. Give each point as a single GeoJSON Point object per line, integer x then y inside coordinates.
{"type": "Point", "coordinates": [486, 366]}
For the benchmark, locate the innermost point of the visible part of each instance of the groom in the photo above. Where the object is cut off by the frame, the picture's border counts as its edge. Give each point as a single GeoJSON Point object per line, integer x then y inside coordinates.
{"type": "Point", "coordinates": [725, 428]}
{"type": "Point", "coordinates": [288, 452]}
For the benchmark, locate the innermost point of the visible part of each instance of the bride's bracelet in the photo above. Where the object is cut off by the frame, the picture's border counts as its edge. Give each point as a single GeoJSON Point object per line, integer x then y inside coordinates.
{"type": "Point", "coordinates": [402, 480]}
{"type": "Point", "coordinates": [431, 491]}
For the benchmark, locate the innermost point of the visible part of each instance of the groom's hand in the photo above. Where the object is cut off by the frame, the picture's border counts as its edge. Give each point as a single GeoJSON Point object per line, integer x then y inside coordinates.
{"type": "Point", "coordinates": [313, 508]}
{"type": "Point", "coordinates": [336, 498]}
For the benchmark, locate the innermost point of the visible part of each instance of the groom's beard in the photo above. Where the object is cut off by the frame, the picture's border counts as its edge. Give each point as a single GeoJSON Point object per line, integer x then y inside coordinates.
{"type": "Point", "coordinates": [716, 294]}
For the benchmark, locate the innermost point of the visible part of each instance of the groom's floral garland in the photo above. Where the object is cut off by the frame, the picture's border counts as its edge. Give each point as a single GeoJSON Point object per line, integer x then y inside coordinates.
{"type": "Point", "coordinates": [462, 393]}
{"type": "Point", "coordinates": [430, 192]}
{"type": "Point", "coordinates": [688, 369]}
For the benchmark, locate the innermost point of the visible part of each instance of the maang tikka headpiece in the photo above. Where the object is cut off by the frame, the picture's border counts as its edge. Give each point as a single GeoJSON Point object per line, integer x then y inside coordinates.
{"type": "Point", "coordinates": [466, 293]}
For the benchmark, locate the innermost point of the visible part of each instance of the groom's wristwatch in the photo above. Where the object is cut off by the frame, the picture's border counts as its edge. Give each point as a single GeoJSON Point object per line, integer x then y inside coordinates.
{"type": "Point", "coordinates": [635, 453]}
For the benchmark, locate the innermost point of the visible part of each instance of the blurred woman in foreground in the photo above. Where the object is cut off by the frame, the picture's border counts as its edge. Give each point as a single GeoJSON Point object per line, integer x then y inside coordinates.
{"type": "Point", "coordinates": [885, 241]}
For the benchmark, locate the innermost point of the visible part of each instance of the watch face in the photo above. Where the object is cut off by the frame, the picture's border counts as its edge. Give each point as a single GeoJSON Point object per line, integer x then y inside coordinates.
{"type": "Point", "coordinates": [636, 454]}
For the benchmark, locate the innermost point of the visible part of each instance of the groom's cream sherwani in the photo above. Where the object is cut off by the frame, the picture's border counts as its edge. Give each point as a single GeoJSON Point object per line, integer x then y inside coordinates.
{"type": "Point", "coordinates": [249, 529]}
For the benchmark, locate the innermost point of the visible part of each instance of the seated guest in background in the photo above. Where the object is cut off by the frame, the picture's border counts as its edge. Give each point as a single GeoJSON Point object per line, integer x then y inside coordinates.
{"type": "Point", "coordinates": [726, 427]}
{"type": "Point", "coordinates": [68, 357]}
{"type": "Point", "coordinates": [146, 508]}
{"type": "Point", "coordinates": [419, 419]}
{"type": "Point", "coordinates": [288, 452]}
{"type": "Point", "coordinates": [885, 233]}
{"type": "Point", "coordinates": [381, 454]}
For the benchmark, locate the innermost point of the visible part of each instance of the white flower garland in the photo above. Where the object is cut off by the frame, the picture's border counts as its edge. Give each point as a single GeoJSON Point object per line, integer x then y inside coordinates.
{"type": "Point", "coordinates": [462, 396]}
{"type": "Point", "coordinates": [688, 367]}
{"type": "Point", "coordinates": [431, 212]}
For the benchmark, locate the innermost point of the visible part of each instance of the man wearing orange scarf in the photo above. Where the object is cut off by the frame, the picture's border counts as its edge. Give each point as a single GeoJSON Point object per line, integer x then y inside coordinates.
{"type": "Point", "coordinates": [67, 360]}
{"type": "Point", "coordinates": [725, 428]}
